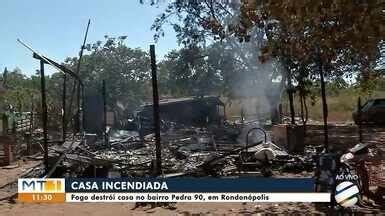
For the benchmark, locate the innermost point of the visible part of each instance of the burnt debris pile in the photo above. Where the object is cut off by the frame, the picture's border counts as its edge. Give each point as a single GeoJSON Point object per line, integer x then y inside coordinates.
{"type": "Point", "coordinates": [186, 151]}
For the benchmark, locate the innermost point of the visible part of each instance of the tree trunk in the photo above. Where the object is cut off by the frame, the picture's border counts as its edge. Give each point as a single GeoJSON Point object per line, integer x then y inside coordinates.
{"type": "Point", "coordinates": [275, 115]}
{"type": "Point", "coordinates": [306, 115]}
{"type": "Point", "coordinates": [290, 91]}
{"type": "Point", "coordinates": [324, 106]}
{"type": "Point", "coordinates": [291, 103]}
{"type": "Point", "coordinates": [301, 104]}
{"type": "Point", "coordinates": [275, 102]}
{"type": "Point", "coordinates": [304, 111]}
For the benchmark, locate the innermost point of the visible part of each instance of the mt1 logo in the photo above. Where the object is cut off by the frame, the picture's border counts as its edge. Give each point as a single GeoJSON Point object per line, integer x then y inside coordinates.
{"type": "Point", "coordinates": [37, 185]}
{"type": "Point", "coordinates": [38, 190]}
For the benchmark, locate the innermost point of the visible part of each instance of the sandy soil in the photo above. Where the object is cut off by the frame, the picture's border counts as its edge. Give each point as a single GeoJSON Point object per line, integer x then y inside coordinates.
{"type": "Point", "coordinates": [11, 173]}
{"type": "Point", "coordinates": [185, 209]}
{"type": "Point", "coordinates": [117, 209]}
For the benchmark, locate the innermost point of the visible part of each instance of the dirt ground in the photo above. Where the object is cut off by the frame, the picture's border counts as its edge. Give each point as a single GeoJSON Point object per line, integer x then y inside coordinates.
{"type": "Point", "coordinates": [117, 209]}
{"type": "Point", "coordinates": [12, 172]}
{"type": "Point", "coordinates": [185, 209]}
{"type": "Point", "coordinates": [16, 208]}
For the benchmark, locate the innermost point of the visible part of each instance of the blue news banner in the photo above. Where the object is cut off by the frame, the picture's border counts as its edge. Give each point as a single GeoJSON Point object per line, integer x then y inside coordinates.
{"type": "Point", "coordinates": [247, 189]}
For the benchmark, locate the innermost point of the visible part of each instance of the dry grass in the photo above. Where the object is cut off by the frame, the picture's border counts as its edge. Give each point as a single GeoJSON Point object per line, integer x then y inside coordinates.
{"type": "Point", "coordinates": [340, 106]}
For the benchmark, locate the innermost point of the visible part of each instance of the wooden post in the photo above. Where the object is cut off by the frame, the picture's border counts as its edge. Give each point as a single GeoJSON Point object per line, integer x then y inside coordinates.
{"type": "Point", "coordinates": [83, 110]}
{"type": "Point", "coordinates": [158, 153]}
{"type": "Point", "coordinates": [44, 115]}
{"type": "Point", "coordinates": [105, 113]}
{"type": "Point", "coordinates": [5, 125]}
{"type": "Point", "coordinates": [242, 115]}
{"type": "Point", "coordinates": [78, 107]}
{"type": "Point", "coordinates": [64, 123]}
{"type": "Point", "coordinates": [32, 116]}
{"type": "Point", "coordinates": [27, 138]}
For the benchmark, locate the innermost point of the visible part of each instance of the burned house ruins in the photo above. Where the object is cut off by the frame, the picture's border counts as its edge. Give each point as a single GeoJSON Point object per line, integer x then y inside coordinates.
{"type": "Point", "coordinates": [194, 111]}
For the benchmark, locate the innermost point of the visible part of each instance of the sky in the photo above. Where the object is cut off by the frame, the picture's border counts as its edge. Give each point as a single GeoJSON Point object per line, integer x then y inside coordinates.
{"type": "Point", "coordinates": [56, 28]}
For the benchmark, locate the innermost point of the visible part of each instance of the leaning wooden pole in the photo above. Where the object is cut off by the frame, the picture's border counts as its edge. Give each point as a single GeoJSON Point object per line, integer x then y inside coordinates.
{"type": "Point", "coordinates": [80, 108]}
{"type": "Point", "coordinates": [155, 97]}
{"type": "Point", "coordinates": [44, 115]}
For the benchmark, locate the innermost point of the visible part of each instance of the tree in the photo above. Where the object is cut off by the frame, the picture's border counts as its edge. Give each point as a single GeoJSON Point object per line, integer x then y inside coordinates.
{"type": "Point", "coordinates": [204, 23]}
{"type": "Point", "coordinates": [193, 71]}
{"type": "Point", "coordinates": [125, 70]}
{"type": "Point", "coordinates": [225, 68]}
{"type": "Point", "coordinates": [331, 35]}
{"type": "Point", "coordinates": [346, 33]}
{"type": "Point", "coordinates": [20, 91]}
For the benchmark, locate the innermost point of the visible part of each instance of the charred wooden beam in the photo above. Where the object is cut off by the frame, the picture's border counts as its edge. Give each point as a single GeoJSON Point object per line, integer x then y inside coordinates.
{"type": "Point", "coordinates": [62, 68]}
{"type": "Point", "coordinates": [158, 162]}
{"type": "Point", "coordinates": [64, 122]}
{"type": "Point", "coordinates": [208, 164]}
{"type": "Point", "coordinates": [80, 88]}
{"type": "Point", "coordinates": [105, 113]}
{"type": "Point", "coordinates": [44, 115]}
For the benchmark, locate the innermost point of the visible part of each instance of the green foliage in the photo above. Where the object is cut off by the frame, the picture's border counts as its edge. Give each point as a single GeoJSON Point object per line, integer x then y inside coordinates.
{"type": "Point", "coordinates": [125, 70]}
{"type": "Point", "coordinates": [20, 91]}
{"type": "Point", "coordinates": [194, 71]}
{"type": "Point", "coordinates": [343, 37]}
